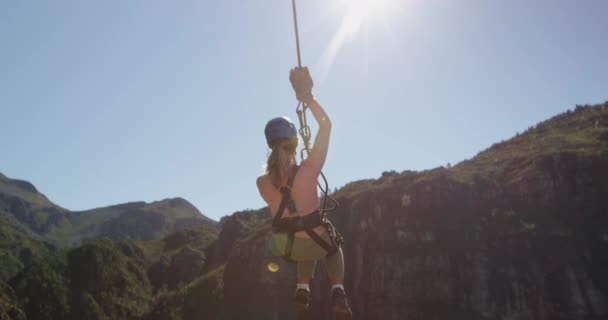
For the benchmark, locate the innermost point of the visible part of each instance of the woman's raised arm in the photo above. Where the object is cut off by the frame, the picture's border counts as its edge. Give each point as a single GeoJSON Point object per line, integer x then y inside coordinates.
{"type": "Point", "coordinates": [302, 84]}
{"type": "Point", "coordinates": [318, 154]}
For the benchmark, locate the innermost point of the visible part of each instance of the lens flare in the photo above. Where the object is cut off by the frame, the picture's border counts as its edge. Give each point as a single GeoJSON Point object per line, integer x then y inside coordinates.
{"type": "Point", "coordinates": [273, 267]}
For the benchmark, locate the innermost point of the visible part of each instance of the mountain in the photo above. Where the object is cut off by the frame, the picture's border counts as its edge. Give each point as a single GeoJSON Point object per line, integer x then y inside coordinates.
{"type": "Point", "coordinates": [179, 276]}
{"type": "Point", "coordinates": [135, 220]}
{"type": "Point", "coordinates": [110, 279]}
{"type": "Point", "coordinates": [32, 225]}
{"type": "Point", "coordinates": [24, 215]}
{"type": "Point", "coordinates": [519, 231]}
{"type": "Point", "coordinates": [26, 209]}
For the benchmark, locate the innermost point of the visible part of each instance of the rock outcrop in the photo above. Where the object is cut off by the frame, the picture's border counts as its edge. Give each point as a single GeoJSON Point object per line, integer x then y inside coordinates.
{"type": "Point", "coordinates": [518, 232]}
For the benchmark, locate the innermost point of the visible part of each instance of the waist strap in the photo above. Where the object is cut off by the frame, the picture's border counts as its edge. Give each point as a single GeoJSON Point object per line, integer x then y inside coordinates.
{"type": "Point", "coordinates": [296, 224]}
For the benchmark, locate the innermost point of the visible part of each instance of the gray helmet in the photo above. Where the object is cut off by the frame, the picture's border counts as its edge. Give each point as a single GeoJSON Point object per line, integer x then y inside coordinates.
{"type": "Point", "coordinates": [279, 128]}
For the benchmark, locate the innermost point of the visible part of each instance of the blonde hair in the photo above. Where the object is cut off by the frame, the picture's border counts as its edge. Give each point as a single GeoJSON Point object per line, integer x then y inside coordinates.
{"type": "Point", "coordinates": [279, 160]}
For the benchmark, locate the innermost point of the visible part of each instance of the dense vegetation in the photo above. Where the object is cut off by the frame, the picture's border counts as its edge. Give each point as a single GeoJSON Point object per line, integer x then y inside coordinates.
{"type": "Point", "coordinates": [101, 279]}
{"type": "Point", "coordinates": [17, 249]}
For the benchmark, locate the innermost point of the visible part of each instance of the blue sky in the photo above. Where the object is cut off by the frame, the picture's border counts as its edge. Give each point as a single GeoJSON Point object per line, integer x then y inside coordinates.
{"type": "Point", "coordinates": [104, 102]}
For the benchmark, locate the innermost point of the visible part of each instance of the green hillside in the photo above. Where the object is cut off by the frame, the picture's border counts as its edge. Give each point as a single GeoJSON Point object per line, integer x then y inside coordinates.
{"type": "Point", "coordinates": [582, 131]}
{"type": "Point", "coordinates": [24, 208]}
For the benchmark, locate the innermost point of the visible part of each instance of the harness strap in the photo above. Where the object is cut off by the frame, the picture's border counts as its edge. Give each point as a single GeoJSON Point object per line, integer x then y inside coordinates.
{"type": "Point", "coordinates": [330, 248]}
{"type": "Point", "coordinates": [287, 200]}
{"type": "Point", "coordinates": [295, 224]}
{"type": "Point", "coordinates": [307, 224]}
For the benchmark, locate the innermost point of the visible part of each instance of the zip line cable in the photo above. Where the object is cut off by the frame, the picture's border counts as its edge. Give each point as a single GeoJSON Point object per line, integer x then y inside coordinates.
{"type": "Point", "coordinates": [304, 128]}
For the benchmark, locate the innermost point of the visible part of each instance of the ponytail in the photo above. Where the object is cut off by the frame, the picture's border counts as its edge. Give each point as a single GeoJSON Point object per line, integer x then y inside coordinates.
{"type": "Point", "coordinates": [278, 164]}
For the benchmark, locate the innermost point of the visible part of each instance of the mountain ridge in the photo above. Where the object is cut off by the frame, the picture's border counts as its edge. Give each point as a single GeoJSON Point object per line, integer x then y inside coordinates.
{"type": "Point", "coordinates": [32, 225]}
{"type": "Point", "coordinates": [517, 232]}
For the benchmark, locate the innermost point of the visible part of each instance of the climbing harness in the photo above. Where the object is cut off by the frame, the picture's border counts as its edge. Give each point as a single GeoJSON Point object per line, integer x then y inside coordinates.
{"type": "Point", "coordinates": [286, 228]}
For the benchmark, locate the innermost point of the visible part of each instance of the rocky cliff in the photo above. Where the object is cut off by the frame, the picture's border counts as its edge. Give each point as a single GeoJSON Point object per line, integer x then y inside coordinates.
{"type": "Point", "coordinates": [518, 232]}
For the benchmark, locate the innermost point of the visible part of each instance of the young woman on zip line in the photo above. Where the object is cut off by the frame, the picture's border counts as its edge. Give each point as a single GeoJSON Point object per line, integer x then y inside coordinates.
{"type": "Point", "coordinates": [290, 190]}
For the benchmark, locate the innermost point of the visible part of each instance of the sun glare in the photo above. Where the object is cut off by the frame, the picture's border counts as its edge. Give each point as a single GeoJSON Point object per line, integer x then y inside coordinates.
{"type": "Point", "coordinates": [357, 16]}
{"type": "Point", "coordinates": [366, 9]}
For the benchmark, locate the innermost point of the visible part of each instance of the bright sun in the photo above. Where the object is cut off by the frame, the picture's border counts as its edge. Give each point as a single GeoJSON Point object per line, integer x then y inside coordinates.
{"type": "Point", "coordinates": [355, 16]}
{"type": "Point", "coordinates": [364, 13]}
{"type": "Point", "coordinates": [367, 9]}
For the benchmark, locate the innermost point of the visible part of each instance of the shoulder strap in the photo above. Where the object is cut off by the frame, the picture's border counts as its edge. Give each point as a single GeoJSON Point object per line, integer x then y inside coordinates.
{"type": "Point", "coordinates": [287, 200]}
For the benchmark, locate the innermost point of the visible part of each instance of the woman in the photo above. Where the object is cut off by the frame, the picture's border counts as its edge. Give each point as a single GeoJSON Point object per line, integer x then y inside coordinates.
{"type": "Point", "coordinates": [291, 192]}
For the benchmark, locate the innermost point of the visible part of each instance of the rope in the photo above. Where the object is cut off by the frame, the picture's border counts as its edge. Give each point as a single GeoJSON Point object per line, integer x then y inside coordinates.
{"type": "Point", "coordinates": [295, 26]}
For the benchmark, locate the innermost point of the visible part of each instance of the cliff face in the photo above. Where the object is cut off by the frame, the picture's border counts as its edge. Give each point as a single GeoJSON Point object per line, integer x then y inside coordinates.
{"type": "Point", "coordinates": [488, 249]}
{"type": "Point", "coordinates": [518, 232]}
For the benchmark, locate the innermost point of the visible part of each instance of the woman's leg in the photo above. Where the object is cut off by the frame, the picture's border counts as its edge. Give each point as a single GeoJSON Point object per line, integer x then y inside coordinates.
{"type": "Point", "coordinates": [306, 271]}
{"type": "Point", "coordinates": [335, 267]}
{"type": "Point", "coordinates": [302, 298]}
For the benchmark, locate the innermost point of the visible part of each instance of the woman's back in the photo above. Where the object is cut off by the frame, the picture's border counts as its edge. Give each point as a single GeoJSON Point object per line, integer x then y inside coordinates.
{"type": "Point", "coordinates": [303, 192]}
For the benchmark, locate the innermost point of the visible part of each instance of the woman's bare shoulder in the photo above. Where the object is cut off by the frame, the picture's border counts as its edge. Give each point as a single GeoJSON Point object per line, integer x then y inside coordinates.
{"type": "Point", "coordinates": [264, 187]}
{"type": "Point", "coordinates": [262, 180]}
